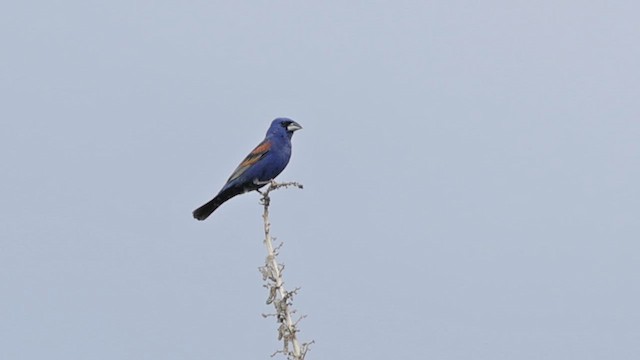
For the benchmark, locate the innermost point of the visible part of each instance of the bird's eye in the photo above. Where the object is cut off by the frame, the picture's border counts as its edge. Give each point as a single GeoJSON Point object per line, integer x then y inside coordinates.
{"type": "Point", "coordinates": [286, 124]}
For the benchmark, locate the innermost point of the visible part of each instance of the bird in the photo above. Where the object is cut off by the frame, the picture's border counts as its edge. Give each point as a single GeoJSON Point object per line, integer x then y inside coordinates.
{"type": "Point", "coordinates": [262, 165]}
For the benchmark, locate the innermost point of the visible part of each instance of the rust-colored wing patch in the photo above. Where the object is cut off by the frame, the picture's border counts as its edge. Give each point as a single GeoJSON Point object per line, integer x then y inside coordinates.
{"type": "Point", "coordinates": [261, 150]}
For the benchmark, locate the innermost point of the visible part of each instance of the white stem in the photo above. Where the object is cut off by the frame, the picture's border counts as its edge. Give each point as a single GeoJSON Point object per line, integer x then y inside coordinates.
{"type": "Point", "coordinates": [279, 295]}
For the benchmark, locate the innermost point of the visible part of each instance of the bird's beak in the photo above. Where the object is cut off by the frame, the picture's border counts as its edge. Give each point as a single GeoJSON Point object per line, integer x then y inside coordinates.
{"type": "Point", "coordinates": [294, 126]}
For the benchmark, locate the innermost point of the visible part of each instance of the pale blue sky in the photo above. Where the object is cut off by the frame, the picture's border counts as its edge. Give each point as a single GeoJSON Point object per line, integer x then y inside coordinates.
{"type": "Point", "coordinates": [471, 176]}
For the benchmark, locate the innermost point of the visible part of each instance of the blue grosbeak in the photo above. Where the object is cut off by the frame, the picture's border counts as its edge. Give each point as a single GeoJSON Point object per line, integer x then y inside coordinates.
{"type": "Point", "coordinates": [263, 164]}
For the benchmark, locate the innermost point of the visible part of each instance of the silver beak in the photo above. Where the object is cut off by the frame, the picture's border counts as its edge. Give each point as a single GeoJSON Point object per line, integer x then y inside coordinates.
{"type": "Point", "coordinates": [294, 126]}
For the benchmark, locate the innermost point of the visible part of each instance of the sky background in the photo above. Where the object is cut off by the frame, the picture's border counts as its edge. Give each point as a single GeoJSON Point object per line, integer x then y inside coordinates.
{"type": "Point", "coordinates": [471, 176]}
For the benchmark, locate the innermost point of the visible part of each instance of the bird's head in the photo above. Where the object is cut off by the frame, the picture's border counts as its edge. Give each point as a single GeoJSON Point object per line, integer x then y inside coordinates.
{"type": "Point", "coordinates": [283, 126]}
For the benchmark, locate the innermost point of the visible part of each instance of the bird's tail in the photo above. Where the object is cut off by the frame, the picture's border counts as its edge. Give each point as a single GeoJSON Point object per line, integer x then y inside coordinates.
{"type": "Point", "coordinates": [205, 210]}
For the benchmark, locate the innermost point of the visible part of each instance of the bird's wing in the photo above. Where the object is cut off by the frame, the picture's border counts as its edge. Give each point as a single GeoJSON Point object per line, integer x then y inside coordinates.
{"type": "Point", "coordinates": [254, 156]}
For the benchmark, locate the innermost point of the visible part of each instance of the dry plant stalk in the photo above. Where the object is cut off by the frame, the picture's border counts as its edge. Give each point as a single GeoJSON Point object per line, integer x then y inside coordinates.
{"type": "Point", "coordinates": [278, 295]}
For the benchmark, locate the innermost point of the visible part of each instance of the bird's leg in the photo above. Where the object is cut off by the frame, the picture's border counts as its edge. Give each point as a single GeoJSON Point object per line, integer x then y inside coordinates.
{"type": "Point", "coordinates": [265, 198]}
{"type": "Point", "coordinates": [261, 184]}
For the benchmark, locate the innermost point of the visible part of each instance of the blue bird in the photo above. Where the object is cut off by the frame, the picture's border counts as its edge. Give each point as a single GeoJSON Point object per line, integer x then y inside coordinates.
{"type": "Point", "coordinates": [261, 166]}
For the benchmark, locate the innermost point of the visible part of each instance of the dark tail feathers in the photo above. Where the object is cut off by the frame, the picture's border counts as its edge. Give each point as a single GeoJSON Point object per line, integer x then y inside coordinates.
{"type": "Point", "coordinates": [205, 210]}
